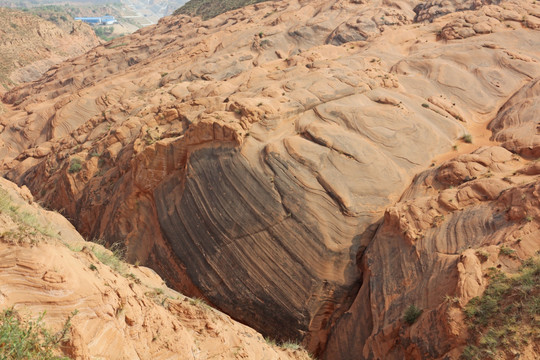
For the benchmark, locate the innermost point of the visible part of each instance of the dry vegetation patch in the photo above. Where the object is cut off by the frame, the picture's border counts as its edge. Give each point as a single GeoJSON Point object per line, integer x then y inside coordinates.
{"type": "Point", "coordinates": [506, 318]}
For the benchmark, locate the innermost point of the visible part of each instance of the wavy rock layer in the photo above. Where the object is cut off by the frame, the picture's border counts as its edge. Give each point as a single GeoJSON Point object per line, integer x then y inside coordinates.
{"type": "Point", "coordinates": [122, 313]}
{"type": "Point", "coordinates": [516, 125]}
{"type": "Point", "coordinates": [248, 158]}
{"type": "Point", "coordinates": [437, 243]}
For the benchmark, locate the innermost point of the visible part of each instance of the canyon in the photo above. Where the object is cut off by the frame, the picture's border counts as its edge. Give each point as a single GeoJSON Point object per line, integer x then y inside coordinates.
{"type": "Point", "coordinates": [116, 310]}
{"type": "Point", "coordinates": [310, 168]}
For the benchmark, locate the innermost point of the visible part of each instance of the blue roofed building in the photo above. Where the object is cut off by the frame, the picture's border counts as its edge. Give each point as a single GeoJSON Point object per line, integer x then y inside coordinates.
{"type": "Point", "coordinates": [108, 20]}
{"type": "Point", "coordinates": [104, 20]}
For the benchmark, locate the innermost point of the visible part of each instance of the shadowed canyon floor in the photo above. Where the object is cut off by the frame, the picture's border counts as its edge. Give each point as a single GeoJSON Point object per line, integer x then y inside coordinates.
{"type": "Point", "coordinates": [272, 160]}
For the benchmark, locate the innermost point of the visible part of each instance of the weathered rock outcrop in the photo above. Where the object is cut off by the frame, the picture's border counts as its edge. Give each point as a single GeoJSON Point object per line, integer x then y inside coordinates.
{"type": "Point", "coordinates": [432, 9]}
{"type": "Point", "coordinates": [516, 125]}
{"type": "Point", "coordinates": [122, 311]}
{"type": "Point", "coordinates": [437, 243]}
{"type": "Point", "coordinates": [487, 19]}
{"type": "Point", "coordinates": [249, 158]}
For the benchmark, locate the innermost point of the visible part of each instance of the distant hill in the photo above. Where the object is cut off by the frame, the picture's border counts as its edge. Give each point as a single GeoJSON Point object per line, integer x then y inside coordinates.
{"type": "Point", "coordinates": [208, 9]}
{"type": "Point", "coordinates": [30, 44]}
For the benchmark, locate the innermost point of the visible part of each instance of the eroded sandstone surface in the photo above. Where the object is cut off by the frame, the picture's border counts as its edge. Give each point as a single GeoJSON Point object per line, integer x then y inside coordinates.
{"type": "Point", "coordinates": [120, 311]}
{"type": "Point", "coordinates": [438, 242]}
{"type": "Point", "coordinates": [250, 159]}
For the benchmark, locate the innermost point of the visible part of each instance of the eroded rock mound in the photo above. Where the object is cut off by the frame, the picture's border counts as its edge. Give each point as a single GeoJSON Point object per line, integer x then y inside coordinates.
{"type": "Point", "coordinates": [517, 125]}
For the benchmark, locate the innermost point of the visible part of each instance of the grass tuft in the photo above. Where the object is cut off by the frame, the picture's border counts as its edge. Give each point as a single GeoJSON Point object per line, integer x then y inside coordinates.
{"type": "Point", "coordinates": [28, 222]}
{"type": "Point", "coordinates": [291, 345]}
{"type": "Point", "coordinates": [113, 258]}
{"type": "Point", "coordinates": [483, 256]}
{"type": "Point", "coordinates": [467, 138]}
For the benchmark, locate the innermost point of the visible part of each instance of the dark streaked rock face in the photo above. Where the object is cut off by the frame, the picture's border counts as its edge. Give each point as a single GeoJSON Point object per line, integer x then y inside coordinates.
{"type": "Point", "coordinates": [115, 310]}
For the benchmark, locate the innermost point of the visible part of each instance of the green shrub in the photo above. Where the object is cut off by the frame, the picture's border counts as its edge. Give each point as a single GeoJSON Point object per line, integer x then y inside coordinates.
{"type": "Point", "coordinates": [412, 314]}
{"type": "Point", "coordinates": [75, 165]}
{"type": "Point", "coordinates": [471, 352]}
{"type": "Point", "coordinates": [208, 9]}
{"type": "Point", "coordinates": [504, 250]}
{"type": "Point", "coordinates": [467, 138]}
{"type": "Point", "coordinates": [28, 339]}
{"type": "Point", "coordinates": [104, 32]}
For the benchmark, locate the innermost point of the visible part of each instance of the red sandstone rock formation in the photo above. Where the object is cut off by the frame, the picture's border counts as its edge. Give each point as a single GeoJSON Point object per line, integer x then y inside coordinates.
{"type": "Point", "coordinates": [122, 311]}
{"type": "Point", "coordinates": [249, 159]}
{"type": "Point", "coordinates": [433, 242]}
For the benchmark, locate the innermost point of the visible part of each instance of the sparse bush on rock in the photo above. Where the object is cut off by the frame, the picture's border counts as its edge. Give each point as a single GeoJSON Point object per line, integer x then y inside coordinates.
{"type": "Point", "coordinates": [412, 314]}
{"type": "Point", "coordinates": [75, 165]}
{"type": "Point", "coordinates": [30, 339]}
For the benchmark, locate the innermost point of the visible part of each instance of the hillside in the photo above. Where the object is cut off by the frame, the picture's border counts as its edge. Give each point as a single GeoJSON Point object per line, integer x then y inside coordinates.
{"type": "Point", "coordinates": [341, 174]}
{"type": "Point", "coordinates": [208, 9]}
{"type": "Point", "coordinates": [30, 45]}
